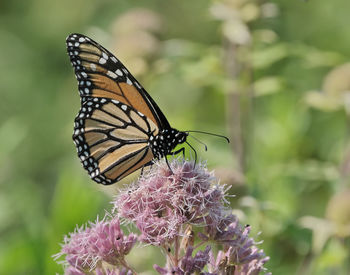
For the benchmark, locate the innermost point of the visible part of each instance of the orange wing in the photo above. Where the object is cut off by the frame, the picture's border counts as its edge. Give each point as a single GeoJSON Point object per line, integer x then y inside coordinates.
{"type": "Point", "coordinates": [112, 139]}
{"type": "Point", "coordinates": [100, 74]}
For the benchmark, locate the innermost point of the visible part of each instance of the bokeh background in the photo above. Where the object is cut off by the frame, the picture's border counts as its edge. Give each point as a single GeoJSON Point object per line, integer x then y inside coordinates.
{"type": "Point", "coordinates": [272, 75]}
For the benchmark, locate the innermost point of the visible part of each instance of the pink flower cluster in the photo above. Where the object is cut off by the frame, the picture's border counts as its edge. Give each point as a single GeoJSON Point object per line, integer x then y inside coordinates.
{"type": "Point", "coordinates": [103, 241]}
{"type": "Point", "coordinates": [161, 202]}
{"type": "Point", "coordinates": [181, 211]}
{"type": "Point", "coordinates": [239, 251]}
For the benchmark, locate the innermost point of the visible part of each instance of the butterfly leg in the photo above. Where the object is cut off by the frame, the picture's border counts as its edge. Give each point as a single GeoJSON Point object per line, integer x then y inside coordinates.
{"type": "Point", "coordinates": [166, 160]}
{"type": "Point", "coordinates": [182, 150]}
{"type": "Point", "coordinates": [150, 163]}
{"type": "Point", "coordinates": [195, 153]}
{"type": "Point", "coordinates": [147, 164]}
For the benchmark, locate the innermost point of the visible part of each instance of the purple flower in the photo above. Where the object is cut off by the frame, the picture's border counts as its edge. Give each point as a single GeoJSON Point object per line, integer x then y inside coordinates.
{"type": "Point", "coordinates": [194, 264]}
{"type": "Point", "coordinates": [161, 201]}
{"type": "Point", "coordinates": [167, 271]}
{"type": "Point", "coordinates": [189, 264]}
{"type": "Point", "coordinates": [70, 270]}
{"type": "Point", "coordinates": [114, 271]}
{"type": "Point", "coordinates": [177, 211]}
{"type": "Point", "coordinates": [102, 241]}
{"type": "Point", "coordinates": [239, 252]}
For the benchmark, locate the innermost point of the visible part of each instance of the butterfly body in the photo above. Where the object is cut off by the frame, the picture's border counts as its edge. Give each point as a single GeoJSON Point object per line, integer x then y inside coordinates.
{"type": "Point", "coordinates": [119, 127]}
{"type": "Point", "coordinates": [166, 141]}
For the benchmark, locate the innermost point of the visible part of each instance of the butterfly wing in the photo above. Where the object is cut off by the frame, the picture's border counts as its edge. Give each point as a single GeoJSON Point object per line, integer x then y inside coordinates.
{"type": "Point", "coordinates": [112, 139]}
{"type": "Point", "coordinates": [100, 74]}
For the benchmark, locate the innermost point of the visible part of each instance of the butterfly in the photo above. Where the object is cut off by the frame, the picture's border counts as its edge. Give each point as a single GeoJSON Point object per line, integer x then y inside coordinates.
{"type": "Point", "coordinates": [119, 128]}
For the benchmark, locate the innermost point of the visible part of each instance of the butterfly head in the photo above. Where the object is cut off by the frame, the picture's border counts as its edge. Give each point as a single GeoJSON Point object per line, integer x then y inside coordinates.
{"type": "Point", "coordinates": [180, 137]}
{"type": "Point", "coordinates": [166, 140]}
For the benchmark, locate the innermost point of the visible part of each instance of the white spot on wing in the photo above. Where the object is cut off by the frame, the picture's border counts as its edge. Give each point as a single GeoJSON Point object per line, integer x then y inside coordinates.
{"type": "Point", "coordinates": [124, 107]}
{"type": "Point", "coordinates": [105, 56]}
{"type": "Point", "coordinates": [111, 74]}
{"type": "Point", "coordinates": [128, 81]}
{"type": "Point", "coordinates": [138, 85]}
{"type": "Point", "coordinates": [102, 61]}
{"type": "Point", "coordinates": [119, 72]}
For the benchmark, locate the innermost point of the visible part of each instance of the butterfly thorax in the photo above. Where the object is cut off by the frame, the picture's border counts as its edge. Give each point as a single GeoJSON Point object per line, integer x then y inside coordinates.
{"type": "Point", "coordinates": [165, 141]}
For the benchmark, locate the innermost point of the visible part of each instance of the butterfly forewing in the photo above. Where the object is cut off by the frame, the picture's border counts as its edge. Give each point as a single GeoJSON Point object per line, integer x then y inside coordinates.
{"type": "Point", "coordinates": [112, 139]}
{"type": "Point", "coordinates": [101, 74]}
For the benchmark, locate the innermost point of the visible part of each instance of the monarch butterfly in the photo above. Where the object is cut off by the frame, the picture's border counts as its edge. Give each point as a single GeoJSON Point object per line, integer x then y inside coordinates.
{"type": "Point", "coordinates": [119, 127]}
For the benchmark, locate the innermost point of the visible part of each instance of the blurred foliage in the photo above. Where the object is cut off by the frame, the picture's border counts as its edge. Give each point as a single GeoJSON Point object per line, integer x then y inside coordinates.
{"type": "Point", "coordinates": [272, 75]}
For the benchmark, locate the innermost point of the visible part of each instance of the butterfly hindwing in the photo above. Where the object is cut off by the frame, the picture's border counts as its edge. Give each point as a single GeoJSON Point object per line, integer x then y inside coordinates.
{"type": "Point", "coordinates": [112, 139]}
{"type": "Point", "coordinates": [101, 74]}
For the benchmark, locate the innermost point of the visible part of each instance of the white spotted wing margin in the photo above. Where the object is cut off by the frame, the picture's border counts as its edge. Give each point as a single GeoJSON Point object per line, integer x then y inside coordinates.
{"type": "Point", "coordinates": [112, 139]}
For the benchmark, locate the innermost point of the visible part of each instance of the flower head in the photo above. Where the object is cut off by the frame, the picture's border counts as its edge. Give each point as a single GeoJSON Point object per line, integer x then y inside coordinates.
{"type": "Point", "coordinates": [71, 270]}
{"type": "Point", "coordinates": [162, 201]}
{"type": "Point", "coordinates": [239, 251]}
{"type": "Point", "coordinates": [102, 241]}
{"type": "Point", "coordinates": [113, 271]}
{"type": "Point", "coordinates": [179, 210]}
{"type": "Point", "coordinates": [189, 264]}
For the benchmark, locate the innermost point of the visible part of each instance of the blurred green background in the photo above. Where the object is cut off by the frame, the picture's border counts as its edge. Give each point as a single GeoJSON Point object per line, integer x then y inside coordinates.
{"type": "Point", "coordinates": [271, 75]}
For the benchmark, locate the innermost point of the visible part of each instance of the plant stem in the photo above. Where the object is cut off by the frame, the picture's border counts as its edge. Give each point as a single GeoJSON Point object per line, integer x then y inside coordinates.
{"type": "Point", "coordinates": [125, 264]}
{"type": "Point", "coordinates": [176, 252]}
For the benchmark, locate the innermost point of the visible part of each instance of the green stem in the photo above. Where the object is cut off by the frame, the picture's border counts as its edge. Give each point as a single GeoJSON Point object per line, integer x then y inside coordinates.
{"type": "Point", "coordinates": [125, 264]}
{"type": "Point", "coordinates": [176, 252]}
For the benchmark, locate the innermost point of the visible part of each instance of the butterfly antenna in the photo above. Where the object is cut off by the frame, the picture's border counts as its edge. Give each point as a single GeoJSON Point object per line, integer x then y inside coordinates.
{"type": "Point", "coordinates": [195, 153]}
{"type": "Point", "coordinates": [207, 133]}
{"type": "Point", "coordinates": [201, 142]}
